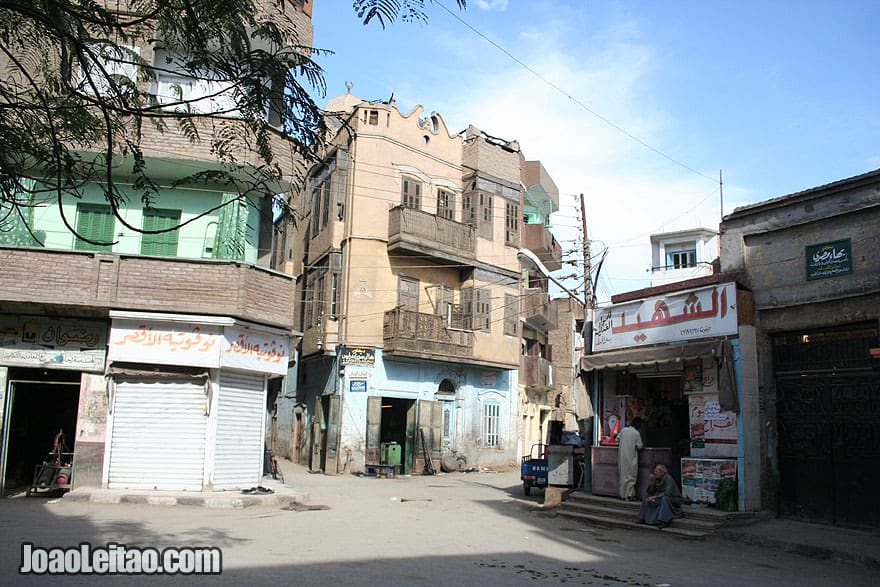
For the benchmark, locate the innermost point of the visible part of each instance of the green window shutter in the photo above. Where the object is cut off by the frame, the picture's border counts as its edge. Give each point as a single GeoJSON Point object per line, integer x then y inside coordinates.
{"type": "Point", "coordinates": [17, 222]}
{"type": "Point", "coordinates": [163, 244]}
{"type": "Point", "coordinates": [231, 228]}
{"type": "Point", "coordinates": [95, 222]}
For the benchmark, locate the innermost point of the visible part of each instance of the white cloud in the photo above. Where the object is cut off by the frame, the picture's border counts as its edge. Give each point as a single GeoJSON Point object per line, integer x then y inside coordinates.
{"type": "Point", "coordinates": [489, 5]}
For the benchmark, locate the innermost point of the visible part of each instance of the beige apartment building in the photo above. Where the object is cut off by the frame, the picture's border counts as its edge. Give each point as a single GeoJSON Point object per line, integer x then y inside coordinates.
{"type": "Point", "coordinates": [406, 245]}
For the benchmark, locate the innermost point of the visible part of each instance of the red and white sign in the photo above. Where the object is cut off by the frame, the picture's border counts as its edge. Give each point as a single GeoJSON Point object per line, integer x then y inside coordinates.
{"type": "Point", "coordinates": [255, 351]}
{"type": "Point", "coordinates": [679, 316]}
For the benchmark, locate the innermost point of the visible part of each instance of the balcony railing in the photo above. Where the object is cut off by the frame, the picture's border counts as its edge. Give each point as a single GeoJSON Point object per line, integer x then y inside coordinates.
{"type": "Point", "coordinates": [94, 283]}
{"type": "Point", "coordinates": [537, 310]}
{"type": "Point", "coordinates": [538, 239]}
{"type": "Point", "coordinates": [536, 373]}
{"type": "Point", "coordinates": [415, 232]}
{"type": "Point", "coordinates": [426, 336]}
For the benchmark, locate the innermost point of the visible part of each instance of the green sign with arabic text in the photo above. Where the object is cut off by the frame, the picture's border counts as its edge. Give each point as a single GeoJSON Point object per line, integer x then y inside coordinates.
{"type": "Point", "coordinates": [829, 259]}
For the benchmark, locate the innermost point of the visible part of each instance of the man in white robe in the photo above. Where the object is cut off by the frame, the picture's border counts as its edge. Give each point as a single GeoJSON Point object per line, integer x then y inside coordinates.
{"type": "Point", "coordinates": [630, 441]}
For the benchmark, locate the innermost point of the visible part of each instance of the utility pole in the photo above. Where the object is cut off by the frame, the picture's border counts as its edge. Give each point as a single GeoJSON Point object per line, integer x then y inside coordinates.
{"type": "Point", "coordinates": [588, 282]}
{"type": "Point", "coordinates": [721, 192]}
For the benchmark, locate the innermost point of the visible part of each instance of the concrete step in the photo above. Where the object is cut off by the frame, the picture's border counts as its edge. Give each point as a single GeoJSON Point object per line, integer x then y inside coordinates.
{"type": "Point", "coordinates": [696, 524]}
{"type": "Point", "coordinates": [618, 522]}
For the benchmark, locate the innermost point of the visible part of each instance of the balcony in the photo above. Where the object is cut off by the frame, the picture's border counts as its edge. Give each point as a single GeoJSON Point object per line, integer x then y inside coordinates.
{"type": "Point", "coordinates": [536, 373]}
{"type": "Point", "coordinates": [538, 239]}
{"type": "Point", "coordinates": [537, 310]}
{"type": "Point", "coordinates": [413, 232]}
{"type": "Point", "coordinates": [425, 336]}
{"type": "Point", "coordinates": [91, 284]}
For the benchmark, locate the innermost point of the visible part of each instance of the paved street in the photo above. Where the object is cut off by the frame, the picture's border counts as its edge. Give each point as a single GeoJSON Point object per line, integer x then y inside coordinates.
{"type": "Point", "coordinates": [459, 529]}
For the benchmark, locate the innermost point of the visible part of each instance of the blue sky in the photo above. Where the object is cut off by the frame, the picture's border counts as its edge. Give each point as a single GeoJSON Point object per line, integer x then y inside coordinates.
{"type": "Point", "coordinates": [637, 105]}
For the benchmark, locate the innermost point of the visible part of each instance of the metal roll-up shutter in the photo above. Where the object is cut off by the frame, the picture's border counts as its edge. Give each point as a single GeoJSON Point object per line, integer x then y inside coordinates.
{"type": "Point", "coordinates": [158, 436]}
{"type": "Point", "coordinates": [241, 406]}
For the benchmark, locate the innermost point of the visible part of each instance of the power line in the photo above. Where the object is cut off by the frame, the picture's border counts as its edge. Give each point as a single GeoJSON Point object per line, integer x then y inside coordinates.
{"type": "Point", "coordinates": [572, 98]}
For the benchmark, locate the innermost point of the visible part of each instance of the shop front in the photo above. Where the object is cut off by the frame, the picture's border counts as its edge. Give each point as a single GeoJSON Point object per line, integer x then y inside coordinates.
{"type": "Point", "coordinates": [188, 400]}
{"type": "Point", "coordinates": [47, 364]}
{"type": "Point", "coordinates": [671, 357]}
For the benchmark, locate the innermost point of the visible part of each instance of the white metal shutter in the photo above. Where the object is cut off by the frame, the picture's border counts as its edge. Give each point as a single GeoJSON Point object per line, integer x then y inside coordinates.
{"type": "Point", "coordinates": [158, 437]}
{"type": "Point", "coordinates": [238, 454]}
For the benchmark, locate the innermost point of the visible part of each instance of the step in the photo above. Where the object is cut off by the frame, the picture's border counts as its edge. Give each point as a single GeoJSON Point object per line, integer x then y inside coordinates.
{"type": "Point", "coordinates": [616, 522]}
{"type": "Point", "coordinates": [614, 513]}
{"type": "Point", "coordinates": [697, 511]}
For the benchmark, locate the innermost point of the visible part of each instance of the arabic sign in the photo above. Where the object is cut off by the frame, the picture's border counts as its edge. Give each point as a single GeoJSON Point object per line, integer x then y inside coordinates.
{"type": "Point", "coordinates": [255, 351]}
{"type": "Point", "coordinates": [359, 356]}
{"type": "Point", "coordinates": [54, 359]}
{"type": "Point", "coordinates": [165, 343]}
{"type": "Point", "coordinates": [829, 259]}
{"type": "Point", "coordinates": [357, 385]}
{"type": "Point", "coordinates": [679, 316]}
{"type": "Point", "coordinates": [43, 332]}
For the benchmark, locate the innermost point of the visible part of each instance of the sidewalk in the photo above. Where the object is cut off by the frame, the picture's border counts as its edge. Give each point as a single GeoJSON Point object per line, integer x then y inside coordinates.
{"type": "Point", "coordinates": [281, 494]}
{"type": "Point", "coordinates": [816, 541]}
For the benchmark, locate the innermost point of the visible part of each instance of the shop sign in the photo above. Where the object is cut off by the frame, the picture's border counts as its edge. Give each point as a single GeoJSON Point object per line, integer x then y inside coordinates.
{"type": "Point", "coordinates": [253, 350]}
{"type": "Point", "coordinates": [165, 343]}
{"type": "Point", "coordinates": [54, 359]}
{"type": "Point", "coordinates": [829, 259]}
{"type": "Point", "coordinates": [679, 316]}
{"type": "Point", "coordinates": [359, 356]}
{"type": "Point", "coordinates": [56, 343]}
{"type": "Point", "coordinates": [357, 385]}
{"type": "Point", "coordinates": [56, 333]}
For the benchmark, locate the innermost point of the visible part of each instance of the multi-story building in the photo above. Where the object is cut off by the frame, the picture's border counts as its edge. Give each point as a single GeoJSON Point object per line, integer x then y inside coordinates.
{"type": "Point", "coordinates": [684, 254]}
{"type": "Point", "coordinates": [538, 383]}
{"type": "Point", "coordinates": [407, 248]}
{"type": "Point", "coordinates": [152, 352]}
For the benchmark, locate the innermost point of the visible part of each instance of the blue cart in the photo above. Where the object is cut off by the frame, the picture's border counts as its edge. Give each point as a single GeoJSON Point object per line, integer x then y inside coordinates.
{"type": "Point", "coordinates": [533, 471]}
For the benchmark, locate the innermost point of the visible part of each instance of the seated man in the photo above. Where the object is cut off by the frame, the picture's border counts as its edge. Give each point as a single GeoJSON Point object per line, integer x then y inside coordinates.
{"type": "Point", "coordinates": [662, 502]}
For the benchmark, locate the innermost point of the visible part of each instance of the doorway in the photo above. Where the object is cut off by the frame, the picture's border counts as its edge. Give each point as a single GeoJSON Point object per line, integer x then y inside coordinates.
{"type": "Point", "coordinates": [39, 404]}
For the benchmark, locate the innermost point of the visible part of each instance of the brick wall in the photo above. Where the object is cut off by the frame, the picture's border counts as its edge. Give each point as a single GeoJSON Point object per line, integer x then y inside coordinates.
{"type": "Point", "coordinates": [97, 283]}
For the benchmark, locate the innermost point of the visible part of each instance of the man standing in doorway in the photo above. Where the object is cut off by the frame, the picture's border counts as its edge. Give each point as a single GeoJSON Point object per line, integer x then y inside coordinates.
{"type": "Point", "coordinates": [630, 441]}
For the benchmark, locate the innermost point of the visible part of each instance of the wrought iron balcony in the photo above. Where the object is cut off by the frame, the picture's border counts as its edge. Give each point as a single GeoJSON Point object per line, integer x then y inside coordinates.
{"type": "Point", "coordinates": [538, 239]}
{"type": "Point", "coordinates": [414, 232]}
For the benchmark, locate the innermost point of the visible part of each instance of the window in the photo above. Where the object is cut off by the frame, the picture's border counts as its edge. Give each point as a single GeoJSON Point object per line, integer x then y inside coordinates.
{"type": "Point", "coordinates": [108, 69]}
{"type": "Point", "coordinates": [163, 244]}
{"type": "Point", "coordinates": [308, 295]}
{"type": "Point", "coordinates": [371, 117]}
{"type": "Point", "coordinates": [485, 212]}
{"type": "Point", "coordinates": [18, 222]}
{"type": "Point", "coordinates": [96, 223]}
{"type": "Point", "coordinates": [412, 193]}
{"type": "Point", "coordinates": [334, 295]}
{"type": "Point", "coordinates": [511, 224]}
{"type": "Point", "coordinates": [319, 298]}
{"type": "Point", "coordinates": [408, 293]}
{"type": "Point", "coordinates": [680, 258]}
{"type": "Point", "coordinates": [491, 423]}
{"type": "Point", "coordinates": [477, 306]}
{"type": "Point", "coordinates": [231, 234]}
{"type": "Point", "coordinates": [511, 314]}
{"type": "Point", "coordinates": [444, 301]}
{"type": "Point", "coordinates": [445, 204]}
{"type": "Point", "coordinates": [176, 88]}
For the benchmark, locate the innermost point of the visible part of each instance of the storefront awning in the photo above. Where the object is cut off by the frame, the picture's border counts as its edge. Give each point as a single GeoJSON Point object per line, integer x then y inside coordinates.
{"type": "Point", "coordinates": [636, 357]}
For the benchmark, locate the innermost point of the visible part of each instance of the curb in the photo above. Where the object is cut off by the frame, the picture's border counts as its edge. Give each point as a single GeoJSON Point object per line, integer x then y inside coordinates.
{"type": "Point", "coordinates": [232, 501]}
{"type": "Point", "coordinates": [806, 550]}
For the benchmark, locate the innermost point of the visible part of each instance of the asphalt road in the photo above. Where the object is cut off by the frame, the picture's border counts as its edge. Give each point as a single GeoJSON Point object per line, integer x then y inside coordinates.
{"type": "Point", "coordinates": [457, 529]}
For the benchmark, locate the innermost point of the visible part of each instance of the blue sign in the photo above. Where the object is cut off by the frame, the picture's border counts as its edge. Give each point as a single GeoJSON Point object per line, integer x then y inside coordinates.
{"type": "Point", "coordinates": [357, 385]}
